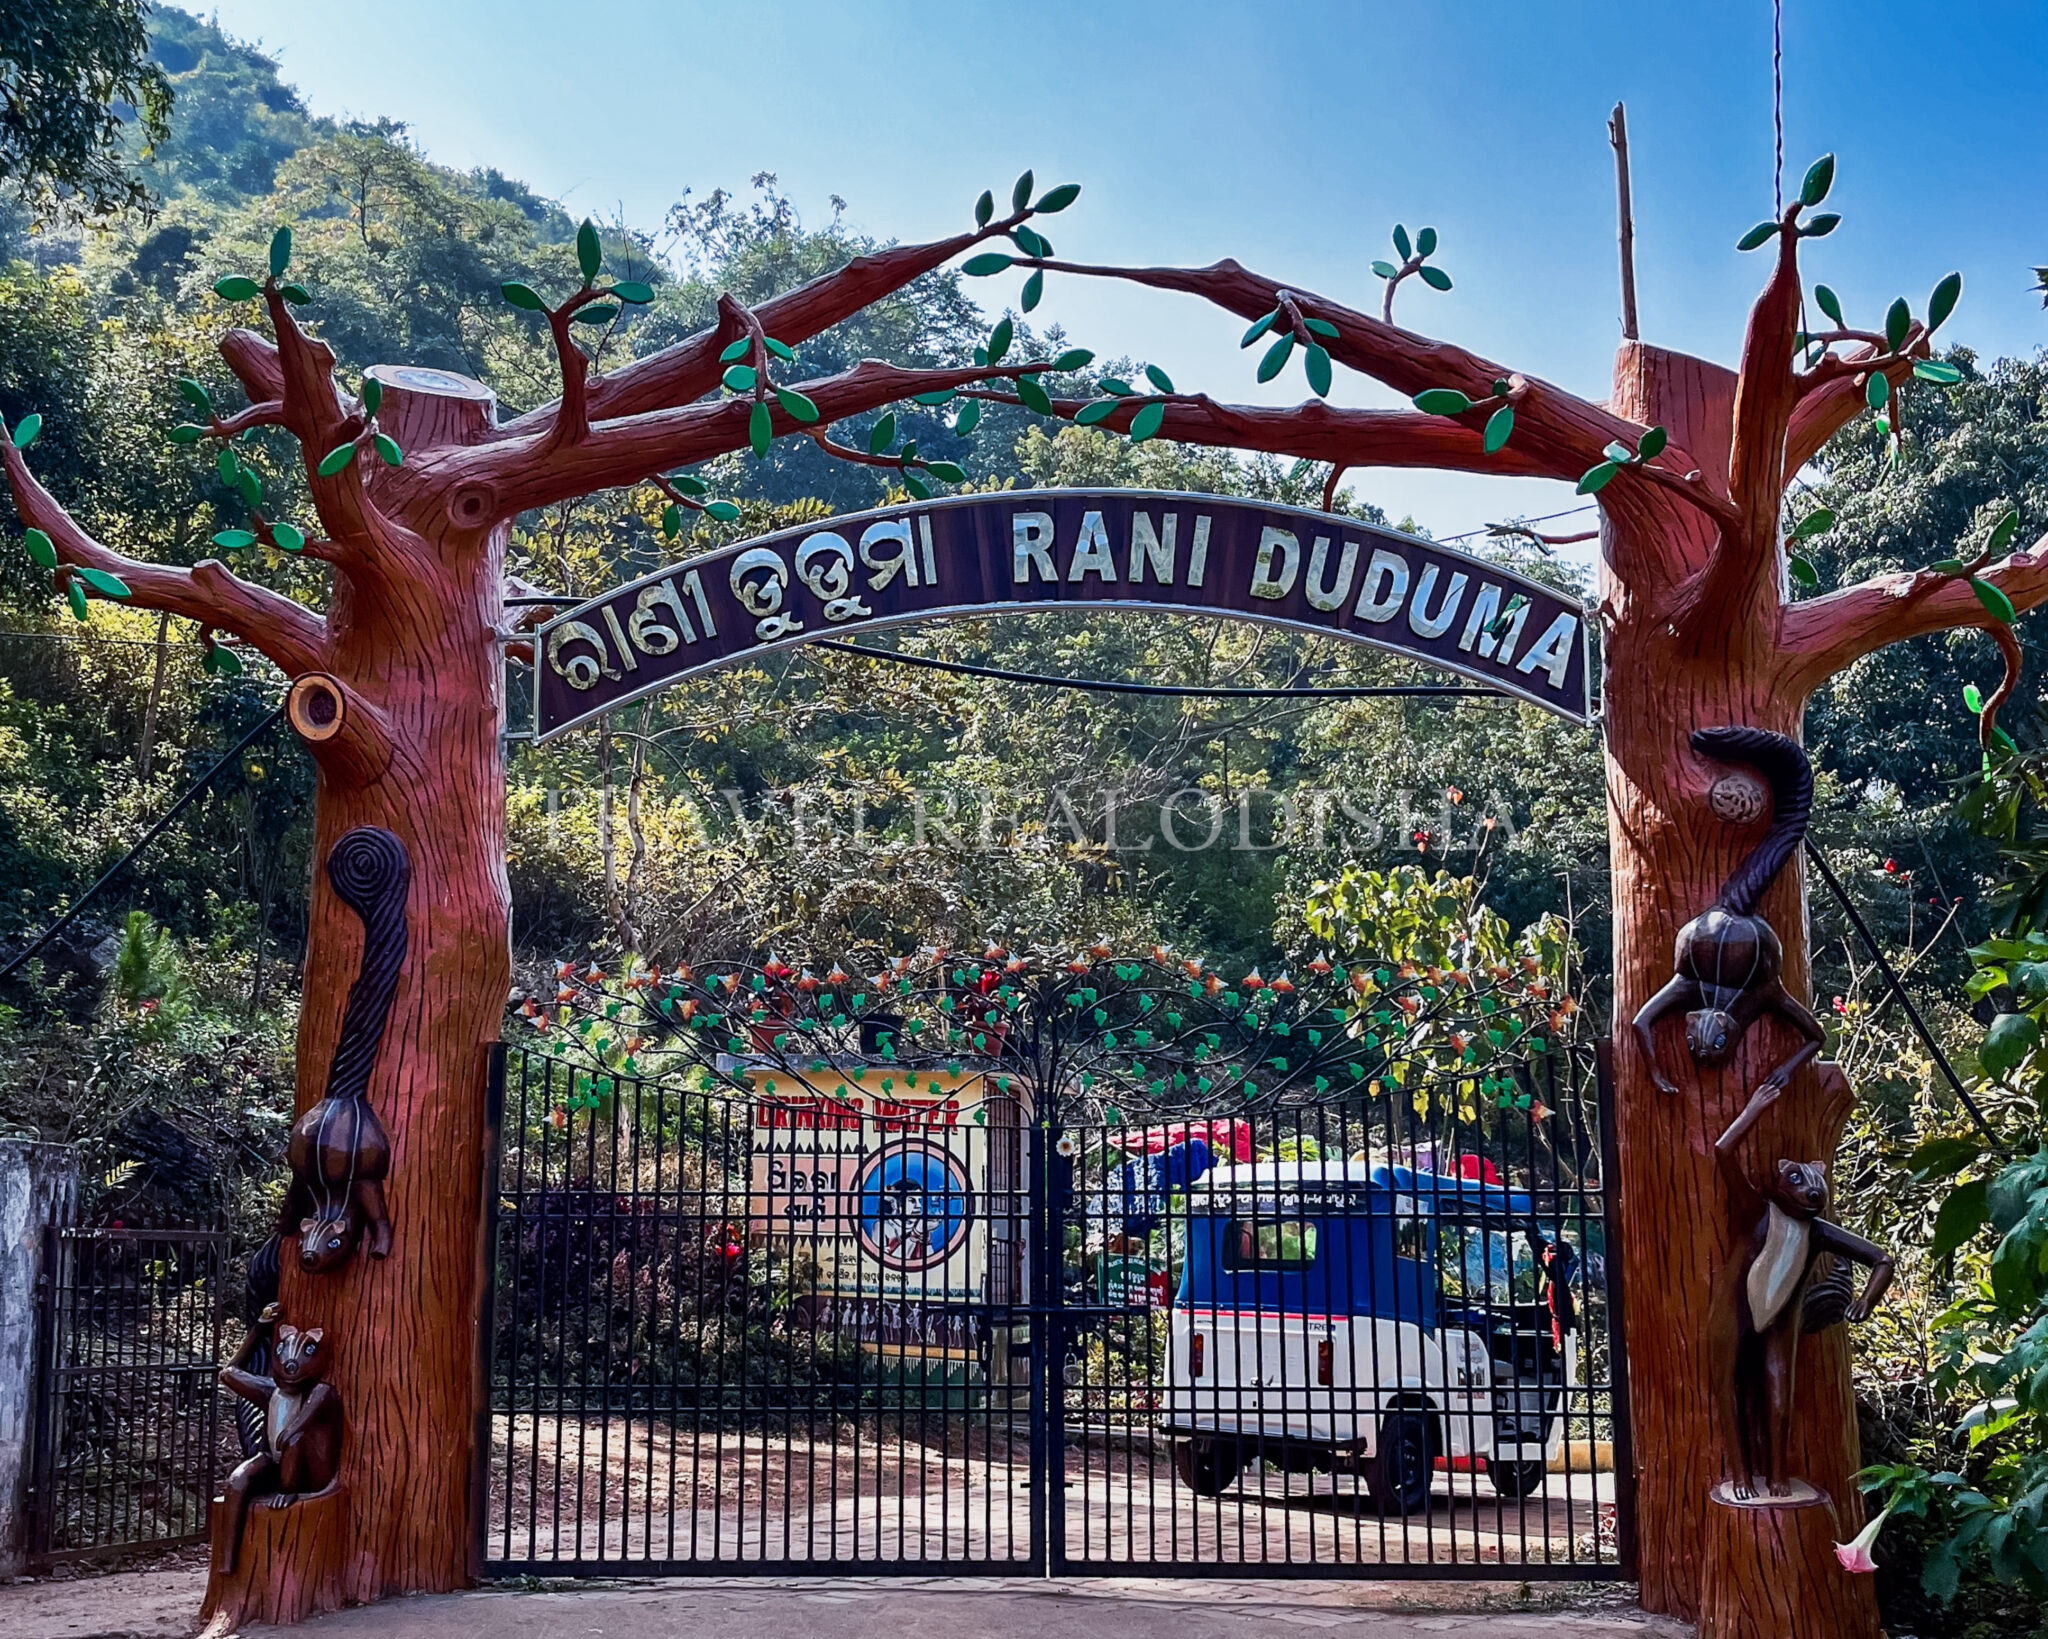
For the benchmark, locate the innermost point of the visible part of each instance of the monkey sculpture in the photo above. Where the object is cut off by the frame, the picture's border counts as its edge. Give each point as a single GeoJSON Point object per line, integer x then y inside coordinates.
{"type": "Point", "coordinates": [302, 1425]}
{"type": "Point", "coordinates": [339, 1153]}
{"type": "Point", "coordinates": [1728, 958]}
{"type": "Point", "coordinates": [1781, 1235]}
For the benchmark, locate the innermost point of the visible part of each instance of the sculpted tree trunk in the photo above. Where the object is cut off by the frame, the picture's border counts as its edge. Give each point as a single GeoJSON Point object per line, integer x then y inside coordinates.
{"type": "Point", "coordinates": [398, 694]}
{"type": "Point", "coordinates": [1690, 462]}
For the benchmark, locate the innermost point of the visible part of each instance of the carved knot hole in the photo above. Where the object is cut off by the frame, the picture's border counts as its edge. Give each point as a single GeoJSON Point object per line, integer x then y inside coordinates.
{"type": "Point", "coordinates": [472, 506]}
{"type": "Point", "coordinates": [320, 708]}
{"type": "Point", "coordinates": [1739, 799]}
{"type": "Point", "coordinates": [315, 707]}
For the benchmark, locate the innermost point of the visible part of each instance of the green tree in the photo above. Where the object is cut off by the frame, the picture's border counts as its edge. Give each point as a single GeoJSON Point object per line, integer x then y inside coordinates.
{"type": "Point", "coordinates": [71, 71]}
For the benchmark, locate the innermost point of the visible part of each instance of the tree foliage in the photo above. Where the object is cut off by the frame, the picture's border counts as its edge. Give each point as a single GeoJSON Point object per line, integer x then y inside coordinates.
{"type": "Point", "coordinates": [72, 73]}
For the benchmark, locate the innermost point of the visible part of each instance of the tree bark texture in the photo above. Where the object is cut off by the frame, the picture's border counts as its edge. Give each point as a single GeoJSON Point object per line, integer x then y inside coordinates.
{"type": "Point", "coordinates": [292, 1565]}
{"type": "Point", "coordinates": [1772, 1569]}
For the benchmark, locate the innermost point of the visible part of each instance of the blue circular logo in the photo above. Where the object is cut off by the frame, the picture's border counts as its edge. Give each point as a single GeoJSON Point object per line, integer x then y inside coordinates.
{"type": "Point", "coordinates": [913, 1206]}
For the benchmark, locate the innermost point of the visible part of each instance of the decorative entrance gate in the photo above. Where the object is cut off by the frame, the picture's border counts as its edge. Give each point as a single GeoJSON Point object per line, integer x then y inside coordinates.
{"type": "Point", "coordinates": [733, 1334]}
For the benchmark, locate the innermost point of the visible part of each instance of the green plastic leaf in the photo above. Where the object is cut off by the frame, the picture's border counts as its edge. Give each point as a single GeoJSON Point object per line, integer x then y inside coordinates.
{"type": "Point", "coordinates": [1276, 358]}
{"type": "Point", "coordinates": [1260, 327]}
{"type": "Point", "coordinates": [2003, 531]}
{"type": "Point", "coordinates": [999, 339]}
{"type": "Point", "coordinates": [1937, 370]}
{"type": "Point", "coordinates": [917, 486]}
{"type": "Point", "coordinates": [522, 296]}
{"type": "Point", "coordinates": [234, 540]}
{"type": "Point", "coordinates": [740, 378]}
{"type": "Point", "coordinates": [1994, 600]}
{"type": "Point", "coordinates": [689, 483]}
{"type": "Point", "coordinates": [251, 488]}
{"type": "Point", "coordinates": [1758, 235]}
{"type": "Point", "coordinates": [25, 430]}
{"type": "Point", "coordinates": [280, 252]}
{"type": "Point", "coordinates": [1803, 572]}
{"type": "Point", "coordinates": [1118, 386]}
{"type": "Point", "coordinates": [298, 296]}
{"type": "Point", "coordinates": [724, 511]}
{"type": "Point", "coordinates": [1058, 199]}
{"type": "Point", "coordinates": [335, 459]}
{"type": "Point", "coordinates": [388, 451]}
{"type": "Point", "coordinates": [187, 433]}
{"type": "Point", "coordinates": [1425, 242]}
{"type": "Point", "coordinates": [1435, 278]}
{"type": "Point", "coordinates": [1020, 195]}
{"type": "Point", "coordinates": [947, 472]}
{"type": "Point", "coordinates": [40, 548]}
{"type": "Point", "coordinates": [945, 395]}
{"type": "Point", "coordinates": [1966, 1211]}
{"type": "Point", "coordinates": [1030, 242]}
{"type": "Point", "coordinates": [984, 209]}
{"type": "Point", "coordinates": [1817, 522]}
{"type": "Point", "coordinates": [1948, 566]}
{"type": "Point", "coordinates": [969, 417]}
{"type": "Point", "coordinates": [222, 662]}
{"type": "Point", "coordinates": [796, 406]}
{"type": "Point", "coordinates": [227, 466]}
{"type": "Point", "coordinates": [1145, 424]}
{"type": "Point", "coordinates": [1401, 244]}
{"type": "Point", "coordinates": [1943, 302]}
{"type": "Point", "coordinates": [1973, 697]}
{"type": "Point", "coordinates": [883, 434]}
{"type": "Point", "coordinates": [373, 395]}
{"type": "Point", "coordinates": [1898, 319]}
{"type": "Point", "coordinates": [1830, 303]}
{"type": "Point", "coordinates": [235, 288]}
{"type": "Point", "coordinates": [1442, 401]}
{"type": "Point", "coordinates": [589, 252]}
{"type": "Point", "coordinates": [289, 537]}
{"type": "Point", "coordinates": [1820, 176]}
{"type": "Point", "coordinates": [671, 520]}
{"type": "Point", "coordinates": [1877, 391]}
{"type": "Point", "coordinates": [632, 290]}
{"type": "Point", "coordinates": [1075, 358]}
{"type": "Point", "coordinates": [760, 428]}
{"type": "Point", "coordinates": [1099, 410]}
{"type": "Point", "coordinates": [108, 586]}
{"type": "Point", "coordinates": [989, 261]}
{"type": "Point", "coordinates": [1498, 426]}
{"type": "Point", "coordinates": [781, 349]}
{"type": "Point", "coordinates": [2010, 1039]}
{"type": "Point", "coordinates": [599, 313]}
{"type": "Point", "coordinates": [1598, 478]}
{"type": "Point", "coordinates": [1035, 397]}
{"type": "Point", "coordinates": [1821, 226]}
{"type": "Point", "coordinates": [1159, 378]}
{"type": "Point", "coordinates": [736, 350]}
{"type": "Point", "coordinates": [1651, 444]}
{"type": "Point", "coordinates": [1315, 364]}
{"type": "Point", "coordinates": [1034, 290]}
{"type": "Point", "coordinates": [195, 394]}
{"type": "Point", "coordinates": [1320, 327]}
{"type": "Point", "coordinates": [74, 594]}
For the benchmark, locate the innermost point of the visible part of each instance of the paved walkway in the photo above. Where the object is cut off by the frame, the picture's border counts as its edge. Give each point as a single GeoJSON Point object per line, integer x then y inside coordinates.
{"type": "Point", "coordinates": [163, 1605]}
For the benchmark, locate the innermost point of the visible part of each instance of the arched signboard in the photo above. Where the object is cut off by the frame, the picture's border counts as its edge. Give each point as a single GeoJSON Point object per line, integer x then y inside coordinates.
{"type": "Point", "coordinates": [1028, 550]}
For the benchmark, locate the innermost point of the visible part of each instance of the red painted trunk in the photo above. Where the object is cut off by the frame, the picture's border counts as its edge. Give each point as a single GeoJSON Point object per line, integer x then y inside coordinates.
{"type": "Point", "coordinates": [1670, 854]}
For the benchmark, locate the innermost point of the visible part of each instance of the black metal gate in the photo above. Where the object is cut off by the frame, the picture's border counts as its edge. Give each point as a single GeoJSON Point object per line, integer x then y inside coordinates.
{"type": "Point", "coordinates": [734, 1334]}
{"type": "Point", "coordinates": [128, 1430]}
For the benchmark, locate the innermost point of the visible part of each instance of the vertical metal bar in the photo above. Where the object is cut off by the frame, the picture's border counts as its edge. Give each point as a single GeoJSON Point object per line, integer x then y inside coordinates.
{"type": "Point", "coordinates": [486, 1324]}
{"type": "Point", "coordinates": [1046, 1559]}
{"type": "Point", "coordinates": [1617, 1329]}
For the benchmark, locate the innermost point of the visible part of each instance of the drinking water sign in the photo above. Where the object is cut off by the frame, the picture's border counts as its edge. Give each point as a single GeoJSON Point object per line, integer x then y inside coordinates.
{"type": "Point", "coordinates": [1029, 550]}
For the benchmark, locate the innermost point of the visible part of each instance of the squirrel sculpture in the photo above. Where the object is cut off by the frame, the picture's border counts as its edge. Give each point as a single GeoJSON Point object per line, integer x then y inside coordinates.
{"type": "Point", "coordinates": [302, 1427]}
{"type": "Point", "coordinates": [1728, 958]}
{"type": "Point", "coordinates": [339, 1152]}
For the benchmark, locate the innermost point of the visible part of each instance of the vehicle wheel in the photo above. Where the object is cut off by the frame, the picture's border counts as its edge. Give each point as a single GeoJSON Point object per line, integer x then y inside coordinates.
{"type": "Point", "coordinates": [1398, 1474]}
{"type": "Point", "coordinates": [1207, 1467]}
{"type": "Point", "coordinates": [1517, 1479]}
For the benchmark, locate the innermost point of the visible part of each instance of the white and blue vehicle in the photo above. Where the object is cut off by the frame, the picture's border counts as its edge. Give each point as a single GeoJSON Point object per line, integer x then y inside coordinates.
{"type": "Point", "coordinates": [1370, 1320]}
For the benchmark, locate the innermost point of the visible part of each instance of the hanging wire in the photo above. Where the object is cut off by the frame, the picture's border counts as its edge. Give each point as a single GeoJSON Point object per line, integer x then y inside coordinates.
{"type": "Point", "coordinates": [1778, 101]}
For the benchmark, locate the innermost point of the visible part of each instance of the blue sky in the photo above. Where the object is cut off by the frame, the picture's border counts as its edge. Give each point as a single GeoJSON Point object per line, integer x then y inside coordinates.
{"type": "Point", "coordinates": [1289, 136]}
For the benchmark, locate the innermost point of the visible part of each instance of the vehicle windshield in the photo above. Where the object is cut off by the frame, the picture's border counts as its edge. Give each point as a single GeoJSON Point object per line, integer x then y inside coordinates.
{"type": "Point", "coordinates": [1487, 1263]}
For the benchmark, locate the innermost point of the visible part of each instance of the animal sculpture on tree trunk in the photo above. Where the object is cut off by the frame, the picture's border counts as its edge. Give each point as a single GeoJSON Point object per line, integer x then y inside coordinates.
{"type": "Point", "coordinates": [339, 1152]}
{"type": "Point", "coordinates": [302, 1423]}
{"type": "Point", "coordinates": [1729, 961]}
{"type": "Point", "coordinates": [1783, 1235]}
